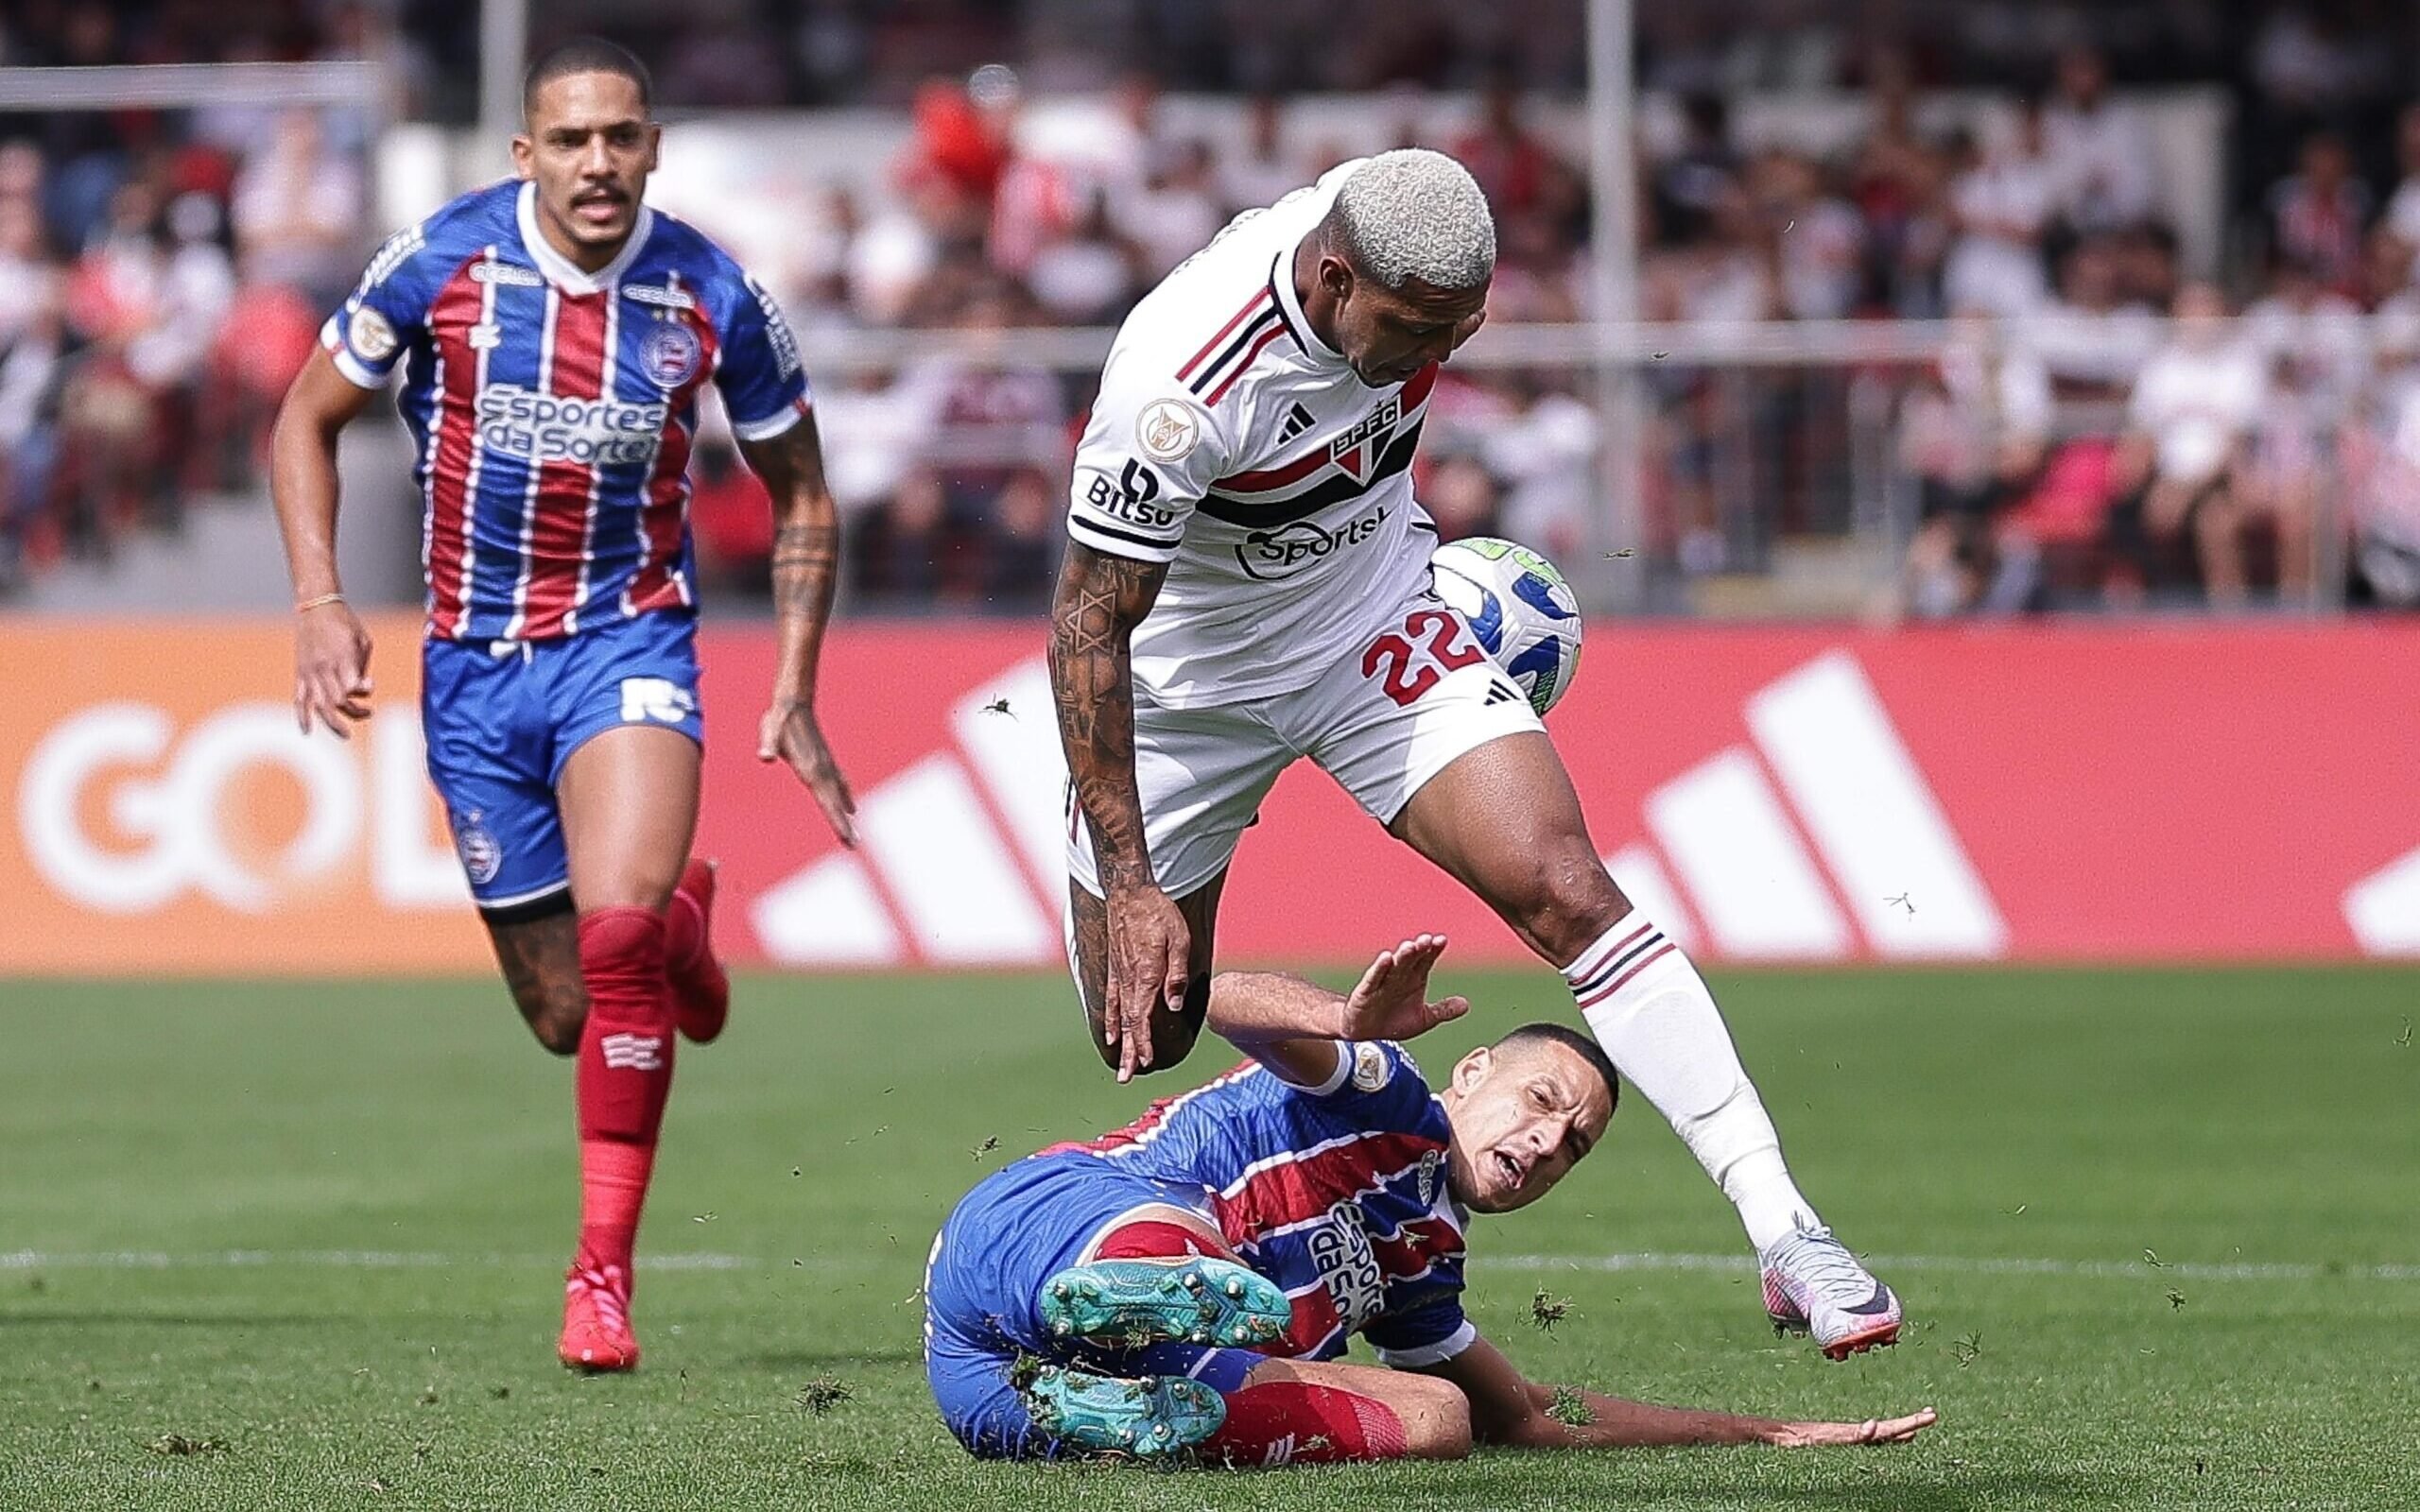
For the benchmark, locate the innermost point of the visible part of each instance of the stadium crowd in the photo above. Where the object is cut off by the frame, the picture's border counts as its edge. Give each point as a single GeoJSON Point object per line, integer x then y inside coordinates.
{"type": "Point", "coordinates": [2070, 447]}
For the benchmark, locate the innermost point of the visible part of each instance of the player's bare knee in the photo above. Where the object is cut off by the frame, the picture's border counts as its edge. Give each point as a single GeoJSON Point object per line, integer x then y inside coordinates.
{"type": "Point", "coordinates": [559, 1032]}
{"type": "Point", "coordinates": [1435, 1420]}
{"type": "Point", "coordinates": [1562, 898]}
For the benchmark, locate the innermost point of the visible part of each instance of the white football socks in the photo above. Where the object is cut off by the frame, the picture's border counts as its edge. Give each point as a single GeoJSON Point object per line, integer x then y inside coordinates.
{"type": "Point", "coordinates": [1649, 1009]}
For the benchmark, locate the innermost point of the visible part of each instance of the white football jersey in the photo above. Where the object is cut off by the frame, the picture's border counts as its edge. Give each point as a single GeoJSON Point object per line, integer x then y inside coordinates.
{"type": "Point", "coordinates": [1232, 443]}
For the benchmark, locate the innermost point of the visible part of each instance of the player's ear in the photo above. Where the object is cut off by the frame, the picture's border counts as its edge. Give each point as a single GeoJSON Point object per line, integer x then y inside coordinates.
{"type": "Point", "coordinates": [1473, 1069]}
{"type": "Point", "coordinates": [654, 147]}
{"type": "Point", "coordinates": [525, 156]}
{"type": "Point", "coordinates": [1336, 275]}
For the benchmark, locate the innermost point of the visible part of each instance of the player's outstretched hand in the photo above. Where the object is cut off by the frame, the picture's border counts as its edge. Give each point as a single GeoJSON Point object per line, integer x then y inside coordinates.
{"type": "Point", "coordinates": [1872, 1430]}
{"type": "Point", "coordinates": [788, 733]}
{"type": "Point", "coordinates": [331, 668]}
{"type": "Point", "coordinates": [1392, 1001]}
{"type": "Point", "coordinates": [1150, 953]}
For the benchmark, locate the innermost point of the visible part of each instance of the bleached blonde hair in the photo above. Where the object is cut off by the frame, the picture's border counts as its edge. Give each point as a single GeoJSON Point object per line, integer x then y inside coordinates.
{"type": "Point", "coordinates": [1413, 214]}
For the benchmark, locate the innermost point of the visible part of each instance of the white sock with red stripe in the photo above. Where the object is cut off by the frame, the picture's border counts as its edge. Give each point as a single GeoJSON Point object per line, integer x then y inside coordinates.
{"type": "Point", "coordinates": [1649, 1009]}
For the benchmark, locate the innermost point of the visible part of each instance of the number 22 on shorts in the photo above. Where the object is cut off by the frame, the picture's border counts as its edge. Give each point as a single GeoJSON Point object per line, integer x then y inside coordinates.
{"type": "Point", "coordinates": [1412, 657]}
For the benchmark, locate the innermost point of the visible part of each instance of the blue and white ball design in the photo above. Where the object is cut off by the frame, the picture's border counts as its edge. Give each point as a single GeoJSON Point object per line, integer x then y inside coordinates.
{"type": "Point", "coordinates": [1520, 607]}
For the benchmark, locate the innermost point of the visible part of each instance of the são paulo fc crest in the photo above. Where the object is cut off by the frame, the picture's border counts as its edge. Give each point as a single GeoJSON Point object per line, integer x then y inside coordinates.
{"type": "Point", "coordinates": [482, 857]}
{"type": "Point", "coordinates": [670, 352]}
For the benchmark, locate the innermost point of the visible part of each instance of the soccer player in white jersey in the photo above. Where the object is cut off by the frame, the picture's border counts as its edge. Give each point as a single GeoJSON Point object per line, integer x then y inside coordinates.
{"type": "Point", "coordinates": [1246, 582]}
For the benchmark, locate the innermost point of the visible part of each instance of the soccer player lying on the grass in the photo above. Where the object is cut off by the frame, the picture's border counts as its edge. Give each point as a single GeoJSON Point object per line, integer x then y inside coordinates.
{"type": "Point", "coordinates": [1188, 1282]}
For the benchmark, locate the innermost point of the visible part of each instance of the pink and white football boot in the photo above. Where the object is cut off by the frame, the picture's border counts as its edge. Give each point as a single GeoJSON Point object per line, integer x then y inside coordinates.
{"type": "Point", "coordinates": [1814, 1285]}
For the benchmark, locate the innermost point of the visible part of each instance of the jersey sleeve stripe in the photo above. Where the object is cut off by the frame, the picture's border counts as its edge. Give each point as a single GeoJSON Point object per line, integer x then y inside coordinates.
{"type": "Point", "coordinates": [1275, 331]}
{"type": "Point", "coordinates": [1247, 342]}
{"type": "Point", "coordinates": [347, 364]}
{"type": "Point", "coordinates": [1237, 319]}
{"type": "Point", "coordinates": [772, 424]}
{"type": "Point", "coordinates": [1118, 543]}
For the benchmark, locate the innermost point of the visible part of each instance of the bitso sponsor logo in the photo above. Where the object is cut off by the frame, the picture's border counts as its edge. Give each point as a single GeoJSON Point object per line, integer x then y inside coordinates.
{"type": "Point", "coordinates": [519, 421]}
{"type": "Point", "coordinates": [1270, 555]}
{"type": "Point", "coordinates": [1129, 497]}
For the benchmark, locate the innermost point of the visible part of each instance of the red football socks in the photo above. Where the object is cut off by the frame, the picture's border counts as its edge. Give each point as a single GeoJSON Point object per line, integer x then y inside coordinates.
{"type": "Point", "coordinates": [624, 1073]}
{"type": "Point", "coordinates": [1289, 1422]}
{"type": "Point", "coordinates": [1155, 1239]}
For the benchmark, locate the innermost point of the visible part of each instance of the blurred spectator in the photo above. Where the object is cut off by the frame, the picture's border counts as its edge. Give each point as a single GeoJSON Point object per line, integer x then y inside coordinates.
{"type": "Point", "coordinates": [1510, 165]}
{"type": "Point", "coordinates": [2402, 214]}
{"type": "Point", "coordinates": [2091, 339]}
{"type": "Point", "coordinates": [2003, 204]}
{"type": "Point", "coordinates": [2179, 468]}
{"type": "Point", "coordinates": [1092, 272]}
{"type": "Point", "coordinates": [298, 213]}
{"type": "Point", "coordinates": [1178, 211]}
{"type": "Point", "coordinates": [1819, 237]}
{"type": "Point", "coordinates": [1973, 437]}
{"type": "Point", "coordinates": [2318, 356]}
{"type": "Point", "coordinates": [2100, 157]}
{"type": "Point", "coordinates": [1692, 184]}
{"type": "Point", "coordinates": [1264, 172]}
{"type": "Point", "coordinates": [2316, 216]}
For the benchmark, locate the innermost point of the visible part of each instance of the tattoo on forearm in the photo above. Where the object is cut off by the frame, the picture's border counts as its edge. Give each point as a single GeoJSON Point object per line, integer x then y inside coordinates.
{"type": "Point", "coordinates": [1100, 600]}
{"type": "Point", "coordinates": [806, 558]}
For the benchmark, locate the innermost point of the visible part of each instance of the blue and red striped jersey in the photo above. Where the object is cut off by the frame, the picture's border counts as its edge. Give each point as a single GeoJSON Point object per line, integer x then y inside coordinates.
{"type": "Point", "coordinates": [553, 409]}
{"type": "Point", "coordinates": [1337, 1194]}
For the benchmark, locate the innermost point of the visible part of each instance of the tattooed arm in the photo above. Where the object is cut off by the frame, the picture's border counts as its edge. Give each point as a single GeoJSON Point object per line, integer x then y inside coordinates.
{"type": "Point", "coordinates": [1099, 600]}
{"type": "Point", "coordinates": [806, 562]}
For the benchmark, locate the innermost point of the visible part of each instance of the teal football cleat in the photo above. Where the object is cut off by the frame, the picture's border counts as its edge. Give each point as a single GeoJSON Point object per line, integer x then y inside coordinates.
{"type": "Point", "coordinates": [1132, 1303]}
{"type": "Point", "coordinates": [1148, 1417]}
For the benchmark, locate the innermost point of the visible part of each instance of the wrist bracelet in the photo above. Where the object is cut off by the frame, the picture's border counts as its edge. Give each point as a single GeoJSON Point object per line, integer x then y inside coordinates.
{"type": "Point", "coordinates": [321, 602]}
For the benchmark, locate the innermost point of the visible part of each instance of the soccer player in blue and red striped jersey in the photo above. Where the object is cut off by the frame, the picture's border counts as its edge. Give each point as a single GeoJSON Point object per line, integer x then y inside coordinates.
{"type": "Point", "coordinates": [554, 335]}
{"type": "Point", "coordinates": [1190, 1281]}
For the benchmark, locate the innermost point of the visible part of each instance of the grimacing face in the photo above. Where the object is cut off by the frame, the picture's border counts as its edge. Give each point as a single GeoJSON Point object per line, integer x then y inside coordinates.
{"type": "Point", "coordinates": [1523, 1116]}
{"type": "Point", "coordinates": [589, 147]}
{"type": "Point", "coordinates": [1389, 335]}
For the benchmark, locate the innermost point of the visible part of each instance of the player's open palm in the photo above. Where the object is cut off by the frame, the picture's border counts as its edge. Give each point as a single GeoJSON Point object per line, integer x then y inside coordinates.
{"type": "Point", "coordinates": [1392, 1000]}
{"type": "Point", "coordinates": [1872, 1430]}
{"type": "Point", "coordinates": [789, 733]}
{"type": "Point", "coordinates": [331, 668]}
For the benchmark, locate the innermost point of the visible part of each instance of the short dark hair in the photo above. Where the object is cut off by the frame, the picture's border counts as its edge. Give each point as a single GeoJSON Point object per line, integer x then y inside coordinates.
{"type": "Point", "coordinates": [1546, 1032]}
{"type": "Point", "coordinates": [585, 55]}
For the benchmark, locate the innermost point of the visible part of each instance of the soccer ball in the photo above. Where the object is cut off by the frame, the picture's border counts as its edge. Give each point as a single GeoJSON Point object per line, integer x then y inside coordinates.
{"type": "Point", "coordinates": [1519, 607]}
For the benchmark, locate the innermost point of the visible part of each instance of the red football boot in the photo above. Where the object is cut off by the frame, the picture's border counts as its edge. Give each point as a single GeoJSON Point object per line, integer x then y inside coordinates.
{"type": "Point", "coordinates": [700, 988]}
{"type": "Point", "coordinates": [597, 1318]}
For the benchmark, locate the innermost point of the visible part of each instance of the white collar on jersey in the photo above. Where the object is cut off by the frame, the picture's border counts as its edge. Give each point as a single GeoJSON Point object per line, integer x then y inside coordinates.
{"type": "Point", "coordinates": [560, 270]}
{"type": "Point", "coordinates": [1281, 278]}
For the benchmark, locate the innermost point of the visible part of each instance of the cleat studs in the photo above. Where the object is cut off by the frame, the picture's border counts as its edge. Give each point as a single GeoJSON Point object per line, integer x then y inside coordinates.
{"type": "Point", "coordinates": [1062, 1328]}
{"type": "Point", "coordinates": [1235, 1287]}
{"type": "Point", "coordinates": [1059, 1290]}
{"type": "Point", "coordinates": [1193, 1281]}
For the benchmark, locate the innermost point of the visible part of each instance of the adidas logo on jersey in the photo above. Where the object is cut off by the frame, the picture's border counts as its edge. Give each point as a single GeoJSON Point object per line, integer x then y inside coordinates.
{"type": "Point", "coordinates": [1796, 845]}
{"type": "Point", "coordinates": [1298, 419]}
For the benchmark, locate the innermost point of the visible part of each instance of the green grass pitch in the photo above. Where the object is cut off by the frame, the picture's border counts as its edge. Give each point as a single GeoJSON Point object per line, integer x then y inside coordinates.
{"type": "Point", "coordinates": [2159, 1233]}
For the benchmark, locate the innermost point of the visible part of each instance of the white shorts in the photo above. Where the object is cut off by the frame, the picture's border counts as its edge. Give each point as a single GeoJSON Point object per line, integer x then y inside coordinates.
{"type": "Point", "coordinates": [1382, 721]}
